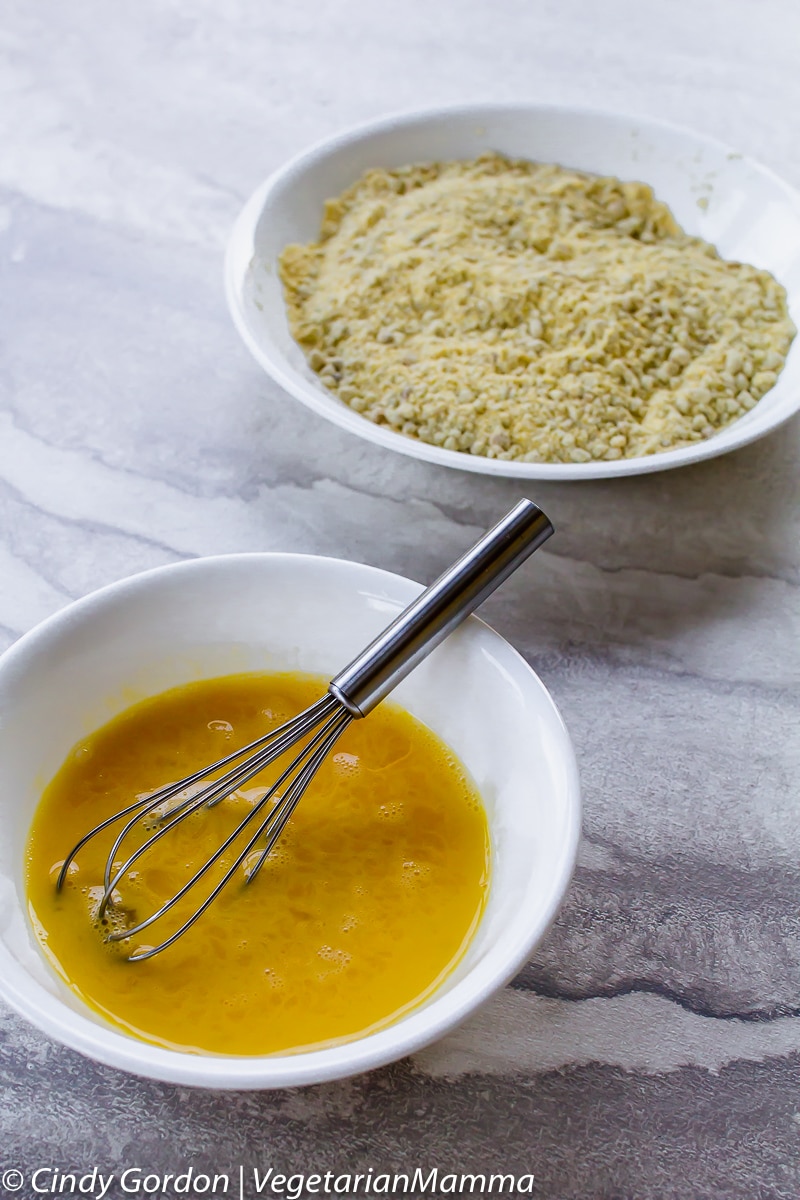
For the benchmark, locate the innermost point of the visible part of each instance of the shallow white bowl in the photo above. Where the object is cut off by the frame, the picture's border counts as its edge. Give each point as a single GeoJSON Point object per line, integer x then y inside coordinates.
{"type": "Point", "coordinates": [744, 209]}
{"type": "Point", "coordinates": [283, 612]}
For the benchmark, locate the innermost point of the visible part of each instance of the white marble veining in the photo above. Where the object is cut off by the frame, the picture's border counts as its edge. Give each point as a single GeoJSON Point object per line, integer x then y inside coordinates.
{"type": "Point", "coordinates": [652, 1046]}
{"type": "Point", "coordinates": [517, 1032]}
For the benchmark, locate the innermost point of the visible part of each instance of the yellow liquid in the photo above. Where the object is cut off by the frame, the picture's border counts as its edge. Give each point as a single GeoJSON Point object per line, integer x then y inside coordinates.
{"type": "Point", "coordinates": [365, 905]}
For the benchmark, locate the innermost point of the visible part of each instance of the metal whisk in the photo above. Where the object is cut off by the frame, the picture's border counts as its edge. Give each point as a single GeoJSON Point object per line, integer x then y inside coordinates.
{"type": "Point", "coordinates": [352, 694]}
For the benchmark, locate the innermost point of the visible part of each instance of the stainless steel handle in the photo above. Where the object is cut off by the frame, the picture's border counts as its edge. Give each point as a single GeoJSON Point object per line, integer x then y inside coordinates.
{"type": "Point", "coordinates": [445, 604]}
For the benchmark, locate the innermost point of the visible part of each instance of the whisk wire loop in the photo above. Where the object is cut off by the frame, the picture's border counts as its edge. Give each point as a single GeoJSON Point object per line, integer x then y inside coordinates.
{"type": "Point", "coordinates": [255, 810]}
{"type": "Point", "coordinates": [298, 725]}
{"type": "Point", "coordinates": [280, 814]}
{"type": "Point", "coordinates": [282, 739]}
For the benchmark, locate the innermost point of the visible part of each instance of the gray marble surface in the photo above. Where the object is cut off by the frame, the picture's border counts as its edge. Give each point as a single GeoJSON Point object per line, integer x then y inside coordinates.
{"type": "Point", "coordinates": [651, 1048]}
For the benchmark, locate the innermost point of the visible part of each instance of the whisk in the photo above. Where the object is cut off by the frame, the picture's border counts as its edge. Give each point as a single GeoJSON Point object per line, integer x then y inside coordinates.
{"type": "Point", "coordinates": [352, 694]}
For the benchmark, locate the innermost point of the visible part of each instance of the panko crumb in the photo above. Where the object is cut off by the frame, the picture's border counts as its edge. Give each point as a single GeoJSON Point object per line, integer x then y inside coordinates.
{"type": "Point", "coordinates": [526, 312]}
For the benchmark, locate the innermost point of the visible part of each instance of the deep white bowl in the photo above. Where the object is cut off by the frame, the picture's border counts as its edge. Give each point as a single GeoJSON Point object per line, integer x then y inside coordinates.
{"type": "Point", "coordinates": [283, 612]}
{"type": "Point", "coordinates": [745, 210]}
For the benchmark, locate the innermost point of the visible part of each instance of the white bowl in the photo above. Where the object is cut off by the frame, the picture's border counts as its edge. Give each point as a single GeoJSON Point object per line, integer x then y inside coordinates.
{"type": "Point", "coordinates": [741, 207]}
{"type": "Point", "coordinates": [283, 612]}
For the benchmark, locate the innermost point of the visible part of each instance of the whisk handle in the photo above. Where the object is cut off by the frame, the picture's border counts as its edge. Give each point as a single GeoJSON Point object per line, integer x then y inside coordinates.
{"type": "Point", "coordinates": [434, 614]}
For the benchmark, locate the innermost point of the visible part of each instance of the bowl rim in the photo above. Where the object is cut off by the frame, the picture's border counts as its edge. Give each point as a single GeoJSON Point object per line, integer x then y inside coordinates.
{"type": "Point", "coordinates": [410, 1033]}
{"type": "Point", "coordinates": [240, 255]}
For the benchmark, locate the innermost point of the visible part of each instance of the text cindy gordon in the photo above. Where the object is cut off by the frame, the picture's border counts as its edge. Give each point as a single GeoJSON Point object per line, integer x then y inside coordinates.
{"type": "Point", "coordinates": [254, 1182]}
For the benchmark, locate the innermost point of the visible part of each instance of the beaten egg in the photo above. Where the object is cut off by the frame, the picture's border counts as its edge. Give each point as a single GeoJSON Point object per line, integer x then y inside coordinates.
{"type": "Point", "coordinates": [363, 908]}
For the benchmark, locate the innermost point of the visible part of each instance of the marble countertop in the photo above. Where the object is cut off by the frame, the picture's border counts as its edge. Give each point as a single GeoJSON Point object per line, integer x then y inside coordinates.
{"type": "Point", "coordinates": [651, 1048]}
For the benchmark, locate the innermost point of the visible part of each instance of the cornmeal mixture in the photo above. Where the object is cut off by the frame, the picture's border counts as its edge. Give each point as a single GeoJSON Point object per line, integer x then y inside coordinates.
{"type": "Point", "coordinates": [366, 903]}
{"type": "Point", "coordinates": [522, 311]}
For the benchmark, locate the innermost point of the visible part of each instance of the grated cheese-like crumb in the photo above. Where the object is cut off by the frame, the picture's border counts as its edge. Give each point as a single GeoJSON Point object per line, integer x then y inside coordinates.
{"type": "Point", "coordinates": [524, 311]}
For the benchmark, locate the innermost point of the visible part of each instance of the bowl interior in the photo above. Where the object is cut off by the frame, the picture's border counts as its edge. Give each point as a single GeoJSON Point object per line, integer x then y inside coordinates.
{"type": "Point", "coordinates": [283, 612]}
{"type": "Point", "coordinates": [715, 193]}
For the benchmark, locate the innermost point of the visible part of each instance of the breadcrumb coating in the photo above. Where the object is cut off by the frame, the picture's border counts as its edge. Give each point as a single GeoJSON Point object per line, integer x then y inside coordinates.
{"type": "Point", "coordinates": [526, 312]}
